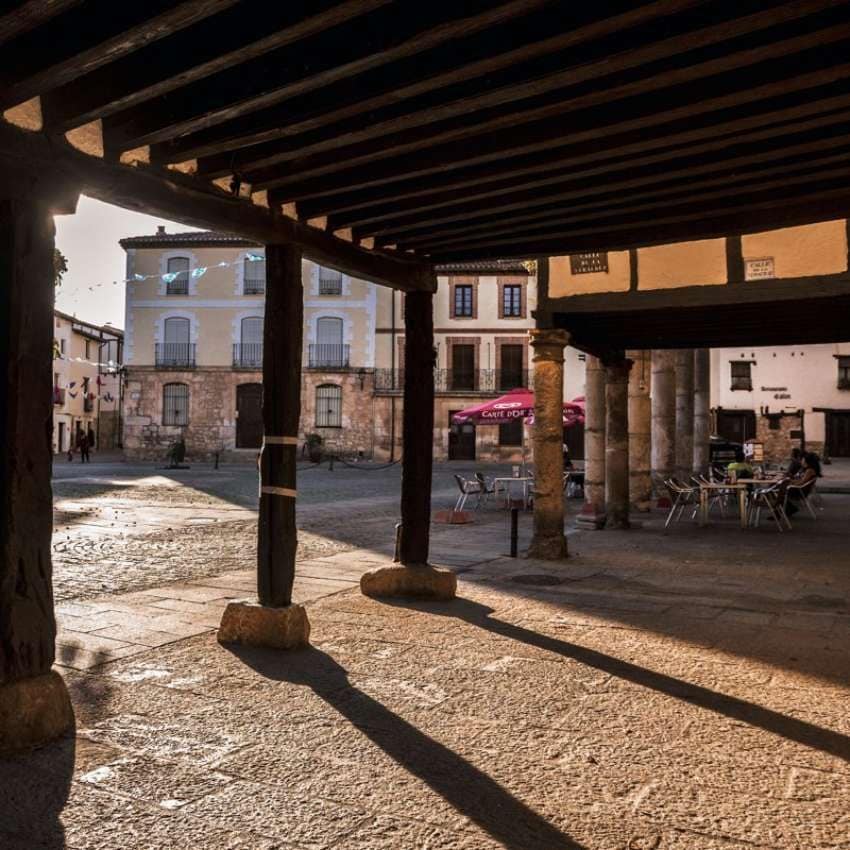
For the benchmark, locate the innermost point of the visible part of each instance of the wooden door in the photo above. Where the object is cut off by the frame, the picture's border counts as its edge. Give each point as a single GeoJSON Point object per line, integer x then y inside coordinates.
{"type": "Point", "coordinates": [838, 428]}
{"type": "Point", "coordinates": [511, 374]}
{"type": "Point", "coordinates": [461, 440]}
{"type": "Point", "coordinates": [737, 426]}
{"type": "Point", "coordinates": [574, 438]}
{"type": "Point", "coordinates": [249, 416]}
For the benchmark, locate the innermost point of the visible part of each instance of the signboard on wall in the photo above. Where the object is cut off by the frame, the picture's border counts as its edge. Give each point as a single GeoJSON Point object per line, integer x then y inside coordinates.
{"type": "Point", "coordinates": [589, 263]}
{"type": "Point", "coordinates": [759, 268]}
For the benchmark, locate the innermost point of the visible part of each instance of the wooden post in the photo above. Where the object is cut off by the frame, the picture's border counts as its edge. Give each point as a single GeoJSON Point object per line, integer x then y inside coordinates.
{"type": "Point", "coordinates": [34, 704]}
{"type": "Point", "coordinates": [414, 576]}
{"type": "Point", "coordinates": [282, 343]}
{"type": "Point", "coordinates": [548, 541]}
{"type": "Point", "coordinates": [417, 428]}
{"type": "Point", "coordinates": [276, 622]}
{"type": "Point", "coordinates": [617, 443]}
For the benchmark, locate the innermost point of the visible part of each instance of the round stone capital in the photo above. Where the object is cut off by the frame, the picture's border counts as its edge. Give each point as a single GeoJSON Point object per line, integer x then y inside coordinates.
{"type": "Point", "coordinates": [549, 343]}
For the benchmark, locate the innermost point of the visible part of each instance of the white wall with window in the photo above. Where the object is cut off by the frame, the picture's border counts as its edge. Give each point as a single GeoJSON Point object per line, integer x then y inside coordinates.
{"type": "Point", "coordinates": [180, 264]}
{"type": "Point", "coordinates": [250, 274]}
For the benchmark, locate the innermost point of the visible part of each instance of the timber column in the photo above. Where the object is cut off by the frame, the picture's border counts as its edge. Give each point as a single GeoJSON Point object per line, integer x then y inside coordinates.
{"type": "Point", "coordinates": [414, 577]}
{"type": "Point", "coordinates": [274, 621]}
{"type": "Point", "coordinates": [663, 413]}
{"type": "Point", "coordinates": [617, 443]}
{"type": "Point", "coordinates": [702, 410]}
{"type": "Point", "coordinates": [640, 431]}
{"type": "Point", "coordinates": [593, 512]}
{"type": "Point", "coordinates": [684, 413]}
{"type": "Point", "coordinates": [548, 541]}
{"type": "Point", "coordinates": [34, 703]}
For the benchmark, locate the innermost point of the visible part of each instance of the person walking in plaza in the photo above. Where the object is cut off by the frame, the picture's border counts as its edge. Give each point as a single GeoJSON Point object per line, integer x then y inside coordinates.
{"type": "Point", "coordinates": [84, 447]}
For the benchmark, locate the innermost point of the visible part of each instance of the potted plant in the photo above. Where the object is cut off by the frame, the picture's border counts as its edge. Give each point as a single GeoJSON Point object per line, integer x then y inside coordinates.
{"type": "Point", "coordinates": [314, 447]}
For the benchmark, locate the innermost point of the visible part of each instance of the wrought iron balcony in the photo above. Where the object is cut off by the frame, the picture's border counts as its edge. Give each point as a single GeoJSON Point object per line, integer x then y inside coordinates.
{"type": "Point", "coordinates": [254, 286]}
{"type": "Point", "coordinates": [485, 381]}
{"type": "Point", "coordinates": [248, 355]}
{"type": "Point", "coordinates": [175, 355]}
{"type": "Point", "coordinates": [330, 285]}
{"type": "Point", "coordinates": [322, 356]}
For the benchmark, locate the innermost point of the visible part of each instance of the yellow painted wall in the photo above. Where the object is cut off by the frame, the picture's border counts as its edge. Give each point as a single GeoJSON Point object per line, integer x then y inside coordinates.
{"type": "Point", "coordinates": [813, 249]}
{"type": "Point", "coordinates": [701, 263]}
{"type": "Point", "coordinates": [563, 282]}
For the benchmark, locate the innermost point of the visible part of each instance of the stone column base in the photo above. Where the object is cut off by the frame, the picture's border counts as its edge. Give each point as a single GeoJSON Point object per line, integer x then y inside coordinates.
{"type": "Point", "coordinates": [34, 711]}
{"type": "Point", "coordinates": [591, 519]}
{"type": "Point", "coordinates": [548, 548]}
{"type": "Point", "coordinates": [425, 582]}
{"type": "Point", "coordinates": [252, 624]}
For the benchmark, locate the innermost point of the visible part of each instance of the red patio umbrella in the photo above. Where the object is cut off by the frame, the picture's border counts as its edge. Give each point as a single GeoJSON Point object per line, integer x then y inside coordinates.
{"type": "Point", "coordinates": [517, 404]}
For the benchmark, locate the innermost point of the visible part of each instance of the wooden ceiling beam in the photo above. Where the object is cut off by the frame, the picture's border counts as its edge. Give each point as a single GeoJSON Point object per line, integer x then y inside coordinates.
{"type": "Point", "coordinates": [152, 130]}
{"type": "Point", "coordinates": [184, 198]}
{"type": "Point", "coordinates": [405, 133]}
{"type": "Point", "coordinates": [31, 14]}
{"type": "Point", "coordinates": [19, 88]}
{"type": "Point", "coordinates": [616, 189]}
{"type": "Point", "coordinates": [226, 45]}
{"type": "Point", "coordinates": [277, 124]}
{"type": "Point", "coordinates": [740, 218]}
{"type": "Point", "coordinates": [613, 158]}
{"type": "Point", "coordinates": [733, 186]}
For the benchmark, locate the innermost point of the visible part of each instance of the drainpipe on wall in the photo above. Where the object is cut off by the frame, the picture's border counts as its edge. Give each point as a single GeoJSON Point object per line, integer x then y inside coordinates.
{"type": "Point", "coordinates": [392, 372]}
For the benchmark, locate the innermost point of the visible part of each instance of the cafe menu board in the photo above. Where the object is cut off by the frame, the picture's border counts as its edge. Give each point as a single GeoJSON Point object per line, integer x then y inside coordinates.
{"type": "Point", "coordinates": [759, 269]}
{"type": "Point", "coordinates": [589, 263]}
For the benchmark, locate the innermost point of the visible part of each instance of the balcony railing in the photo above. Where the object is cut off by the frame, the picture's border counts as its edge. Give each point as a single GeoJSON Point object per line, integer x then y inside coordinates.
{"type": "Point", "coordinates": [330, 286]}
{"type": "Point", "coordinates": [175, 355]}
{"type": "Point", "coordinates": [248, 355]}
{"type": "Point", "coordinates": [487, 381]}
{"type": "Point", "coordinates": [322, 356]}
{"type": "Point", "coordinates": [254, 286]}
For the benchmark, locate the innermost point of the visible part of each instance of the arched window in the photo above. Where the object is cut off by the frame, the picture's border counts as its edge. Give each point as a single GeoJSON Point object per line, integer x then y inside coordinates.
{"type": "Point", "coordinates": [175, 404]}
{"type": "Point", "coordinates": [328, 406]}
{"type": "Point", "coordinates": [329, 350]}
{"type": "Point", "coordinates": [175, 350]}
{"type": "Point", "coordinates": [178, 266]}
{"type": "Point", "coordinates": [254, 276]}
{"type": "Point", "coordinates": [251, 342]}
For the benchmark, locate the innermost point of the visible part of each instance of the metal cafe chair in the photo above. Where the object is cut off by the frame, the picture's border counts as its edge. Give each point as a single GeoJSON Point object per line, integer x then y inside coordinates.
{"type": "Point", "coordinates": [772, 498]}
{"type": "Point", "coordinates": [468, 487]}
{"type": "Point", "coordinates": [488, 488]}
{"type": "Point", "coordinates": [682, 496]}
{"type": "Point", "coordinates": [805, 493]}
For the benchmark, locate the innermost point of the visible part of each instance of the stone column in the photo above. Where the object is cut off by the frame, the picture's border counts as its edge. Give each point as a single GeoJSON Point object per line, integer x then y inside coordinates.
{"type": "Point", "coordinates": [414, 577]}
{"type": "Point", "coordinates": [640, 431]}
{"type": "Point", "coordinates": [593, 512]}
{"type": "Point", "coordinates": [34, 703]}
{"type": "Point", "coordinates": [702, 409]}
{"type": "Point", "coordinates": [617, 443]}
{"type": "Point", "coordinates": [663, 404]}
{"type": "Point", "coordinates": [275, 621]}
{"type": "Point", "coordinates": [548, 541]}
{"type": "Point", "coordinates": [684, 413]}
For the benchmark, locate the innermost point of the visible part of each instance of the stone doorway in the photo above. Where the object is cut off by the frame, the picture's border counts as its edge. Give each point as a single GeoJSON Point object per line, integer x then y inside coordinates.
{"type": "Point", "coordinates": [461, 439]}
{"type": "Point", "coordinates": [249, 416]}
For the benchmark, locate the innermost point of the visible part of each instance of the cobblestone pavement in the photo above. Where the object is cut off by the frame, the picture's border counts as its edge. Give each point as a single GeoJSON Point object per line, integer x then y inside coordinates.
{"type": "Point", "coordinates": [603, 703]}
{"type": "Point", "coordinates": [120, 528]}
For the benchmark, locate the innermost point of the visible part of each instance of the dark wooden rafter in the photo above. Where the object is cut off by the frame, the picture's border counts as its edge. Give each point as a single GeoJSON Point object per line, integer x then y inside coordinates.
{"type": "Point", "coordinates": [585, 162]}
{"type": "Point", "coordinates": [123, 41]}
{"type": "Point", "coordinates": [29, 15]}
{"type": "Point", "coordinates": [403, 134]}
{"type": "Point", "coordinates": [144, 75]}
{"type": "Point", "coordinates": [134, 132]}
{"type": "Point", "coordinates": [617, 190]}
{"type": "Point", "coordinates": [274, 128]}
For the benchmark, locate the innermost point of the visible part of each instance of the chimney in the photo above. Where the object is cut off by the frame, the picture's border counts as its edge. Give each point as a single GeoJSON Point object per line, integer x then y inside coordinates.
{"type": "Point", "coordinates": [160, 228]}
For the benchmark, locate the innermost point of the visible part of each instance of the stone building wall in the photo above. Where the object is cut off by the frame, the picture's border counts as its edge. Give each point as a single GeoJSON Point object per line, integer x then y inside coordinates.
{"type": "Point", "coordinates": [775, 432]}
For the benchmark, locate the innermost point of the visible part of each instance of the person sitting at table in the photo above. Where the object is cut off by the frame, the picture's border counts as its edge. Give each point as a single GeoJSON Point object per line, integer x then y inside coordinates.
{"type": "Point", "coordinates": [795, 465]}
{"type": "Point", "coordinates": [740, 467]}
{"type": "Point", "coordinates": [803, 482]}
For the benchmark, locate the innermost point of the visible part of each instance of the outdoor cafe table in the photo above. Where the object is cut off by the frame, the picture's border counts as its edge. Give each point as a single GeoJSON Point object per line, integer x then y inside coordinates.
{"type": "Point", "coordinates": [505, 484]}
{"type": "Point", "coordinates": [705, 489]}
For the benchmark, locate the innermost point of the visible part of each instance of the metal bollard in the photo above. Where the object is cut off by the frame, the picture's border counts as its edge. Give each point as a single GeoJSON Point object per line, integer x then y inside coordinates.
{"type": "Point", "coordinates": [331, 464]}
{"type": "Point", "coordinates": [514, 531]}
{"type": "Point", "coordinates": [216, 461]}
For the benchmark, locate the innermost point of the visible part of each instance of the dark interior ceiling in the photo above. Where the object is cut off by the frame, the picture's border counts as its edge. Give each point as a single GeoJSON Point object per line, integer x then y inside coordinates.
{"type": "Point", "coordinates": [466, 131]}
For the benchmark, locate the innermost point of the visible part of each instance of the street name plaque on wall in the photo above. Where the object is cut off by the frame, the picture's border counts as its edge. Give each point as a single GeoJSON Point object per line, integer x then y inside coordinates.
{"type": "Point", "coordinates": [759, 269]}
{"type": "Point", "coordinates": [589, 263]}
